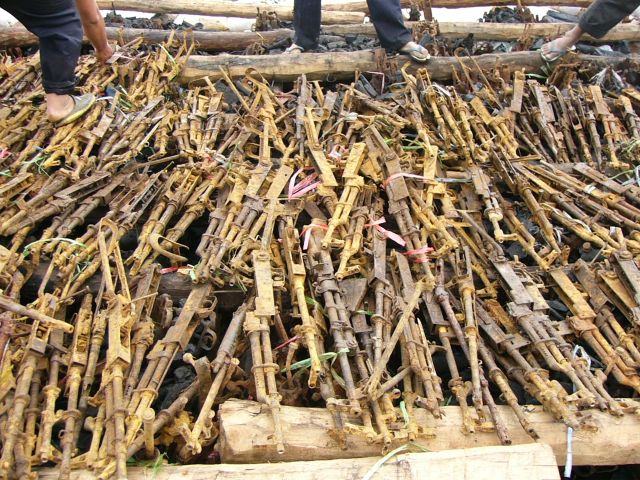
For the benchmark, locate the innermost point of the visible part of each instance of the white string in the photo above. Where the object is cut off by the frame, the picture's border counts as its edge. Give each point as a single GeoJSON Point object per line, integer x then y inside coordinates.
{"type": "Point", "coordinates": [578, 351]}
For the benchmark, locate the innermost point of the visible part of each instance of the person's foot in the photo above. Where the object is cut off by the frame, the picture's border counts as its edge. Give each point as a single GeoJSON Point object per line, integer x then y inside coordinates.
{"type": "Point", "coordinates": [64, 109]}
{"type": "Point", "coordinates": [552, 51]}
{"type": "Point", "coordinates": [58, 106]}
{"type": "Point", "coordinates": [416, 52]}
{"type": "Point", "coordinates": [293, 49]}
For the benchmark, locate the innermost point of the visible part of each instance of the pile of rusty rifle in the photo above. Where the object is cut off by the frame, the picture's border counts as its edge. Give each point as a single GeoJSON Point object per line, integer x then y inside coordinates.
{"type": "Point", "coordinates": [471, 245]}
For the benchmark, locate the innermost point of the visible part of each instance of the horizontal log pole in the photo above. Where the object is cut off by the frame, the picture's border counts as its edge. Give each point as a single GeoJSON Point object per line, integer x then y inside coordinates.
{"type": "Point", "coordinates": [229, 9]}
{"type": "Point", "coordinates": [227, 41]}
{"type": "Point", "coordinates": [209, 41]}
{"type": "Point", "coordinates": [507, 32]}
{"type": "Point", "coordinates": [341, 66]}
{"type": "Point", "coordinates": [533, 462]}
{"type": "Point", "coordinates": [220, 9]}
{"type": "Point", "coordinates": [362, 6]}
{"type": "Point", "coordinates": [246, 435]}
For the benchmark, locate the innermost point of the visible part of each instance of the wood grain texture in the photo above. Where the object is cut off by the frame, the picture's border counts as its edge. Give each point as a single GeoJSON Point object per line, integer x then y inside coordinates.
{"type": "Point", "coordinates": [220, 9]}
{"type": "Point", "coordinates": [229, 41]}
{"type": "Point", "coordinates": [531, 462]}
{"type": "Point", "coordinates": [362, 6]}
{"type": "Point", "coordinates": [342, 65]}
{"type": "Point", "coordinates": [246, 431]}
{"type": "Point", "coordinates": [208, 41]}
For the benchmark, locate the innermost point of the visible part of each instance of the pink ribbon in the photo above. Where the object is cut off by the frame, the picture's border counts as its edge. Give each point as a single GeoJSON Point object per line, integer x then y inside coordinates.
{"type": "Point", "coordinates": [306, 231]}
{"type": "Point", "coordinates": [305, 186]}
{"type": "Point", "coordinates": [421, 260]}
{"type": "Point", "coordinates": [164, 271]}
{"type": "Point", "coordinates": [178, 269]}
{"type": "Point", "coordinates": [388, 234]}
{"type": "Point", "coordinates": [419, 251]}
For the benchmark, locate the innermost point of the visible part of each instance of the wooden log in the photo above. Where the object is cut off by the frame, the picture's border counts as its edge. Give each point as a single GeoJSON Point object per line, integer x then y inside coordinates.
{"type": "Point", "coordinates": [246, 435]}
{"type": "Point", "coordinates": [208, 41]}
{"type": "Point", "coordinates": [220, 9]}
{"type": "Point", "coordinates": [533, 462]}
{"type": "Point", "coordinates": [210, 24]}
{"type": "Point", "coordinates": [362, 6]}
{"type": "Point", "coordinates": [507, 32]}
{"type": "Point", "coordinates": [341, 66]}
{"type": "Point", "coordinates": [229, 41]}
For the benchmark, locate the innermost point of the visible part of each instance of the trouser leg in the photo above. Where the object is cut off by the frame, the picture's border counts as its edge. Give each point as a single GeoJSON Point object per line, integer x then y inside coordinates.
{"type": "Point", "coordinates": [57, 25]}
{"type": "Point", "coordinates": [603, 15]}
{"type": "Point", "coordinates": [306, 22]}
{"type": "Point", "coordinates": [386, 16]}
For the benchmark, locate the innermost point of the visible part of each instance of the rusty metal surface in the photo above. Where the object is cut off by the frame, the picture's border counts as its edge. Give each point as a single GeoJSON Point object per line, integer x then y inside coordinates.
{"type": "Point", "coordinates": [406, 248]}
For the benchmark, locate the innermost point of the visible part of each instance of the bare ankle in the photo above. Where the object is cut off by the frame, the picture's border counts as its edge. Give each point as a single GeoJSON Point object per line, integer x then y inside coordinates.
{"type": "Point", "coordinates": [58, 106]}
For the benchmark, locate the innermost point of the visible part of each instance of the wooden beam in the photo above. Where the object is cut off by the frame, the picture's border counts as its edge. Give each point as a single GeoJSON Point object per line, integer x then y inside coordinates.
{"type": "Point", "coordinates": [533, 462]}
{"type": "Point", "coordinates": [246, 435]}
{"type": "Point", "coordinates": [228, 41]}
{"type": "Point", "coordinates": [208, 41]}
{"type": "Point", "coordinates": [230, 9]}
{"type": "Point", "coordinates": [220, 9]}
{"type": "Point", "coordinates": [342, 65]}
{"type": "Point", "coordinates": [362, 6]}
{"type": "Point", "coordinates": [205, 7]}
{"type": "Point", "coordinates": [507, 32]}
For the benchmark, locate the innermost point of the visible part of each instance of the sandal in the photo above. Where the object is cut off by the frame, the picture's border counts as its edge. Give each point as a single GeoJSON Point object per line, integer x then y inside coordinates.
{"type": "Point", "coordinates": [416, 52]}
{"type": "Point", "coordinates": [293, 49]}
{"type": "Point", "coordinates": [553, 53]}
{"type": "Point", "coordinates": [81, 104]}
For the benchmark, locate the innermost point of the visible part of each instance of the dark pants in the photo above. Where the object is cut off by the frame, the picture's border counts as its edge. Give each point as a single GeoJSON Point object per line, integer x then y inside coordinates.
{"type": "Point", "coordinates": [386, 16]}
{"type": "Point", "coordinates": [603, 15]}
{"type": "Point", "coordinates": [57, 25]}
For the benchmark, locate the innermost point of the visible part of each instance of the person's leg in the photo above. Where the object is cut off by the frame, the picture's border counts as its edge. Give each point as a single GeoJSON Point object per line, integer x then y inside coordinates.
{"type": "Point", "coordinates": [386, 16]}
{"type": "Point", "coordinates": [58, 28]}
{"type": "Point", "coordinates": [306, 23]}
{"type": "Point", "coordinates": [555, 49]}
{"type": "Point", "coordinates": [597, 20]}
{"type": "Point", "coordinates": [603, 15]}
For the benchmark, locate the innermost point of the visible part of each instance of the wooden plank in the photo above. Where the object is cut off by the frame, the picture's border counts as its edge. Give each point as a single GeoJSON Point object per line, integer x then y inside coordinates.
{"type": "Point", "coordinates": [220, 9]}
{"type": "Point", "coordinates": [362, 6]}
{"type": "Point", "coordinates": [342, 65]}
{"type": "Point", "coordinates": [228, 41]}
{"type": "Point", "coordinates": [246, 435]}
{"type": "Point", "coordinates": [533, 462]}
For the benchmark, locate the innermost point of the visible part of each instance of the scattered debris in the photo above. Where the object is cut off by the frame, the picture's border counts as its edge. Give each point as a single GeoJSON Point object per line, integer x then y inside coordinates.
{"type": "Point", "coordinates": [160, 21]}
